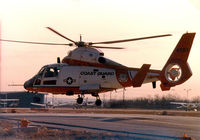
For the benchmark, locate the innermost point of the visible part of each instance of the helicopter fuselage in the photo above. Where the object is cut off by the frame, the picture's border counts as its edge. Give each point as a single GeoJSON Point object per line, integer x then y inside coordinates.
{"type": "Point", "coordinates": [63, 78]}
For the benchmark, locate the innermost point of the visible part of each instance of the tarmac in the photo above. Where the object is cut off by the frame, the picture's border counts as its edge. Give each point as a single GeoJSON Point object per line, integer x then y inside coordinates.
{"type": "Point", "coordinates": [136, 126]}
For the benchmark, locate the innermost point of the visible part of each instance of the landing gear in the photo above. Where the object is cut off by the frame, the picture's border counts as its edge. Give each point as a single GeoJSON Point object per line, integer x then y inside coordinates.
{"type": "Point", "coordinates": [79, 99]}
{"type": "Point", "coordinates": [98, 100]}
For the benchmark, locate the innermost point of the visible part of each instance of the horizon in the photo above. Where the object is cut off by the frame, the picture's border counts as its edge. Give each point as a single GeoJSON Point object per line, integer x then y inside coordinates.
{"type": "Point", "coordinates": [98, 21]}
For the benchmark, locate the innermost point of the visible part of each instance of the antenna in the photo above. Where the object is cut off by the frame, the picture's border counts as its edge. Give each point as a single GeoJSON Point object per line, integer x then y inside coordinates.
{"type": "Point", "coordinates": [80, 37]}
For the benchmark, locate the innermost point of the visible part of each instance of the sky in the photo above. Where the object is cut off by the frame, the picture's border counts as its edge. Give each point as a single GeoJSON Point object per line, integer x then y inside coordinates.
{"type": "Point", "coordinates": [98, 20]}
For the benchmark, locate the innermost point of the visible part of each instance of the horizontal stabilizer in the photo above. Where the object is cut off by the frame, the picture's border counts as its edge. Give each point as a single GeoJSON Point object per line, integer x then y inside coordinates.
{"type": "Point", "coordinates": [140, 76]}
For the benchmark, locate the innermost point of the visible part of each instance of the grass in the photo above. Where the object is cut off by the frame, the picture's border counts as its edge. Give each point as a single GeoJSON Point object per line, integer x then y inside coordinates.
{"type": "Point", "coordinates": [42, 133]}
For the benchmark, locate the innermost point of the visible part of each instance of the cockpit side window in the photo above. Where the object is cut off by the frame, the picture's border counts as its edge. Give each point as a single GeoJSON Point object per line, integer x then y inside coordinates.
{"type": "Point", "coordinates": [51, 72]}
{"type": "Point", "coordinates": [56, 71]}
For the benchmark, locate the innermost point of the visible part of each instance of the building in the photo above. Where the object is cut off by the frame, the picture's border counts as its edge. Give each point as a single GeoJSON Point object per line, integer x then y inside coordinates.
{"type": "Point", "coordinates": [20, 99]}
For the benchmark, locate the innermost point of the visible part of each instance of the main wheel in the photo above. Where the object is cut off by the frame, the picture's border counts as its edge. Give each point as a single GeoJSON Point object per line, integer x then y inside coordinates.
{"type": "Point", "coordinates": [79, 100]}
{"type": "Point", "coordinates": [98, 102]}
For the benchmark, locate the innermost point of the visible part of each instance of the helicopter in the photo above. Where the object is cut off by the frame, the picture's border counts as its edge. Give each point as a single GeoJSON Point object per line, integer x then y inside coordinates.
{"type": "Point", "coordinates": [85, 70]}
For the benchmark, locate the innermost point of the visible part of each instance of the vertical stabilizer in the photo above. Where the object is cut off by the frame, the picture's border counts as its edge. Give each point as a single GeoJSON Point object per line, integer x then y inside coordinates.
{"type": "Point", "coordinates": [176, 71]}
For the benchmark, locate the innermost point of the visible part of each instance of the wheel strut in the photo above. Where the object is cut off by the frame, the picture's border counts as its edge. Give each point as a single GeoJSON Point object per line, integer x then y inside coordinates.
{"type": "Point", "coordinates": [98, 101]}
{"type": "Point", "coordinates": [79, 100]}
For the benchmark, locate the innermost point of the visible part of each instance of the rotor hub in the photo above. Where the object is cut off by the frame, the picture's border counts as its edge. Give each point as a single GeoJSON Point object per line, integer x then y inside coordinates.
{"type": "Point", "coordinates": [81, 44]}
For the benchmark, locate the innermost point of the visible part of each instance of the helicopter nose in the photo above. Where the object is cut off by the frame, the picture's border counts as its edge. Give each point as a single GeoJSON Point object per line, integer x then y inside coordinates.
{"type": "Point", "coordinates": [29, 83]}
{"type": "Point", "coordinates": [26, 84]}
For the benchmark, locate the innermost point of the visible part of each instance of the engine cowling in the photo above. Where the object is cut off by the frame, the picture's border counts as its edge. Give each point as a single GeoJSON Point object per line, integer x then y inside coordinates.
{"type": "Point", "coordinates": [102, 60]}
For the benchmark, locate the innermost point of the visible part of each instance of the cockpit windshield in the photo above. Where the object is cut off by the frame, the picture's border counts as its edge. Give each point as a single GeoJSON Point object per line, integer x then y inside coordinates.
{"type": "Point", "coordinates": [40, 73]}
{"type": "Point", "coordinates": [47, 73]}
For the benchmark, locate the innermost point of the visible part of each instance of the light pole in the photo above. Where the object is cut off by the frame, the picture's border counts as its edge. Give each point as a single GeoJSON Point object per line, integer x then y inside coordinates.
{"type": "Point", "coordinates": [123, 95]}
{"type": "Point", "coordinates": [6, 103]}
{"type": "Point", "coordinates": [187, 91]}
{"type": "Point", "coordinates": [110, 96]}
{"type": "Point", "coordinates": [103, 99]}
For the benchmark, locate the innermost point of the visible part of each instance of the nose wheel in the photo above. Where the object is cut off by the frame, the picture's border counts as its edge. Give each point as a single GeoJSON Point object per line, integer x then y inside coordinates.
{"type": "Point", "coordinates": [98, 101]}
{"type": "Point", "coordinates": [79, 100]}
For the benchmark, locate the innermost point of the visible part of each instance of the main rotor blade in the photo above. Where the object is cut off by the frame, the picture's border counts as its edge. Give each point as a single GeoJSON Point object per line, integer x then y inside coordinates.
{"type": "Point", "coordinates": [106, 47]}
{"type": "Point", "coordinates": [28, 42]}
{"type": "Point", "coordinates": [60, 34]}
{"type": "Point", "coordinates": [127, 40]}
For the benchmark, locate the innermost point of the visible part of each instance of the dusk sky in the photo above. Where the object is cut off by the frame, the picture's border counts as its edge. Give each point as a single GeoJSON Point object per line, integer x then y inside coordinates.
{"type": "Point", "coordinates": [98, 20]}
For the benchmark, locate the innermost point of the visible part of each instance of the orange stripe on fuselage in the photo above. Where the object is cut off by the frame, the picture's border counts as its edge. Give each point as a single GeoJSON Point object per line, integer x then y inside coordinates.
{"type": "Point", "coordinates": [63, 90]}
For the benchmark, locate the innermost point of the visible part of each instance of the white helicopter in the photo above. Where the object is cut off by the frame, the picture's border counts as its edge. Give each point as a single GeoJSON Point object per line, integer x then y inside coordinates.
{"type": "Point", "coordinates": [85, 70]}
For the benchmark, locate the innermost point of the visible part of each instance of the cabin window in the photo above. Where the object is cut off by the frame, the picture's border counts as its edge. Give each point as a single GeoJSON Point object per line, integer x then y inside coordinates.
{"type": "Point", "coordinates": [49, 82]}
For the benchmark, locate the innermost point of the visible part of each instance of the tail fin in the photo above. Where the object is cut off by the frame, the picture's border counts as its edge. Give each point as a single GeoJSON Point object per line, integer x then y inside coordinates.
{"type": "Point", "coordinates": [176, 71]}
